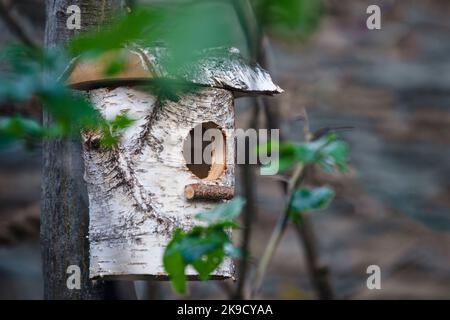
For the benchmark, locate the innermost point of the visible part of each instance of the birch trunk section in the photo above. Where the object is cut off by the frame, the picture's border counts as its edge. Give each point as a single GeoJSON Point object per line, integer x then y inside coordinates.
{"type": "Point", "coordinates": [136, 190]}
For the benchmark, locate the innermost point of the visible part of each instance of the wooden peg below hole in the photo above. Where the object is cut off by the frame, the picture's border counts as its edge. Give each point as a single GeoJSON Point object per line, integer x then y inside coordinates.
{"type": "Point", "coordinates": [208, 192]}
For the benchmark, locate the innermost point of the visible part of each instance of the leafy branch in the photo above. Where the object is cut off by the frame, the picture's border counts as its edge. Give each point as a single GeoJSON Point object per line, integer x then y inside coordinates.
{"type": "Point", "coordinates": [40, 73]}
{"type": "Point", "coordinates": [35, 73]}
{"type": "Point", "coordinates": [328, 152]}
{"type": "Point", "coordinates": [204, 247]}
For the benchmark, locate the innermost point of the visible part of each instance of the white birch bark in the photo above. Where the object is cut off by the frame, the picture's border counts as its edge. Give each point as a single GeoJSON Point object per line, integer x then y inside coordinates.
{"type": "Point", "coordinates": [136, 191]}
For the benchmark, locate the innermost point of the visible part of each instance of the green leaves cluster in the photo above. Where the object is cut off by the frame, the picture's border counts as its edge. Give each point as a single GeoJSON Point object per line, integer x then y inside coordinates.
{"type": "Point", "coordinates": [139, 25]}
{"type": "Point", "coordinates": [204, 247]}
{"type": "Point", "coordinates": [184, 28]}
{"type": "Point", "coordinates": [112, 130]}
{"type": "Point", "coordinates": [305, 200]}
{"type": "Point", "coordinates": [328, 151]}
{"type": "Point", "coordinates": [29, 130]}
{"type": "Point", "coordinates": [36, 74]}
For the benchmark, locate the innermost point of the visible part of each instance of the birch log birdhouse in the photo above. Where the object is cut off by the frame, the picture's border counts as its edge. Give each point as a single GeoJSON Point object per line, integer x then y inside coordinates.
{"type": "Point", "coordinates": [146, 186]}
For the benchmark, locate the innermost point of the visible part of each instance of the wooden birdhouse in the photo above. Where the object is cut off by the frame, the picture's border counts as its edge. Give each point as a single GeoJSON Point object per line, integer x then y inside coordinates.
{"type": "Point", "coordinates": [145, 187]}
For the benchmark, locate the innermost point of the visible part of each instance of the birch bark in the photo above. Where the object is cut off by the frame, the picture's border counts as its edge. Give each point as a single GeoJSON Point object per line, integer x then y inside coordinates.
{"type": "Point", "coordinates": [136, 189]}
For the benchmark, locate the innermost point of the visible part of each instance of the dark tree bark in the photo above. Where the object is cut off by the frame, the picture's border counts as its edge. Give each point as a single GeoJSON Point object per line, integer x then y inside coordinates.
{"type": "Point", "coordinates": [64, 216]}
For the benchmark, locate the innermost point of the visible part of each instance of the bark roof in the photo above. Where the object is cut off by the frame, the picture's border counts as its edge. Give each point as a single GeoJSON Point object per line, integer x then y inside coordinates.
{"type": "Point", "coordinates": [217, 67]}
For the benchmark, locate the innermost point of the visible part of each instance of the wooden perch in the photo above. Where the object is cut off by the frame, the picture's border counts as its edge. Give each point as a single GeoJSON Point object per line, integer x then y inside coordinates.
{"type": "Point", "coordinates": [208, 192]}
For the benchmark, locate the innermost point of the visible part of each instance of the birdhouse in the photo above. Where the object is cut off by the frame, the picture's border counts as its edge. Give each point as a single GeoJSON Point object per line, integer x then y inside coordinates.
{"type": "Point", "coordinates": [145, 187]}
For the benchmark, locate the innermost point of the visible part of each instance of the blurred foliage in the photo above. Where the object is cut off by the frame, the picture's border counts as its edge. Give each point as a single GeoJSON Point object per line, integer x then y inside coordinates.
{"type": "Point", "coordinates": [290, 19]}
{"type": "Point", "coordinates": [329, 152]}
{"type": "Point", "coordinates": [138, 25]}
{"type": "Point", "coordinates": [185, 28]}
{"type": "Point", "coordinates": [36, 73]}
{"type": "Point", "coordinates": [326, 151]}
{"type": "Point", "coordinates": [304, 200]}
{"type": "Point", "coordinates": [204, 247]}
{"type": "Point", "coordinates": [112, 130]}
{"type": "Point", "coordinates": [221, 213]}
{"type": "Point", "coordinates": [28, 130]}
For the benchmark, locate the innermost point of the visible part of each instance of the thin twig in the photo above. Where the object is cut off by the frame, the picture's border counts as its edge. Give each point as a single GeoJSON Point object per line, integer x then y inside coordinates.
{"type": "Point", "coordinates": [297, 178]}
{"type": "Point", "coordinates": [274, 240]}
{"type": "Point", "coordinates": [15, 26]}
{"type": "Point", "coordinates": [319, 272]}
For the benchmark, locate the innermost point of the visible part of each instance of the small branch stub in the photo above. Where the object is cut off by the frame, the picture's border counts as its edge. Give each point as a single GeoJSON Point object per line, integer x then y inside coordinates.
{"type": "Point", "coordinates": [208, 192]}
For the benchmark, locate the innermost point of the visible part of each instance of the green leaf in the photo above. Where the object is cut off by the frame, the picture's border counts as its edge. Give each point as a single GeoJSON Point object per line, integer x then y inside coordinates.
{"type": "Point", "coordinates": [225, 225]}
{"type": "Point", "coordinates": [115, 65]}
{"type": "Point", "coordinates": [336, 155]}
{"type": "Point", "coordinates": [304, 199]}
{"type": "Point", "coordinates": [108, 140]}
{"type": "Point", "coordinates": [209, 262]}
{"type": "Point", "coordinates": [174, 263]}
{"type": "Point", "coordinates": [204, 247]}
{"type": "Point", "coordinates": [289, 18]}
{"type": "Point", "coordinates": [232, 251]}
{"type": "Point", "coordinates": [112, 130]}
{"type": "Point", "coordinates": [185, 29]}
{"type": "Point", "coordinates": [194, 247]}
{"type": "Point", "coordinates": [312, 152]}
{"type": "Point", "coordinates": [122, 121]}
{"type": "Point", "coordinates": [286, 152]}
{"type": "Point", "coordinates": [193, 27]}
{"type": "Point", "coordinates": [139, 24]}
{"type": "Point", "coordinates": [328, 152]}
{"type": "Point", "coordinates": [20, 127]}
{"type": "Point", "coordinates": [223, 212]}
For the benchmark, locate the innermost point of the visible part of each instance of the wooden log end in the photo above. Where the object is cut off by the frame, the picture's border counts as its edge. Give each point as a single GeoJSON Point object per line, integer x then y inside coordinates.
{"type": "Point", "coordinates": [208, 192]}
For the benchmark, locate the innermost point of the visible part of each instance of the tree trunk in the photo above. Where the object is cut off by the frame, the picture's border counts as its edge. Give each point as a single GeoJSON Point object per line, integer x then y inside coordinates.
{"type": "Point", "coordinates": [64, 217]}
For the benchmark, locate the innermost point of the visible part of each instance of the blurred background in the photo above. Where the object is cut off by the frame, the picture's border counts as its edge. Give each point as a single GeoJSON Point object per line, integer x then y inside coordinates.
{"type": "Point", "coordinates": [391, 86]}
